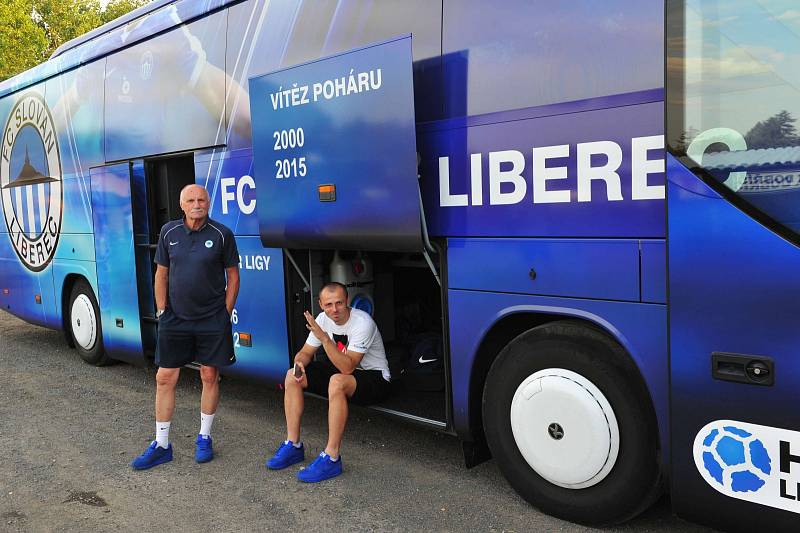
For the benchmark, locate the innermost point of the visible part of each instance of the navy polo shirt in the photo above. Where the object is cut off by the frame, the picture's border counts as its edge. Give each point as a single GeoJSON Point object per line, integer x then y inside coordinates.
{"type": "Point", "coordinates": [197, 261]}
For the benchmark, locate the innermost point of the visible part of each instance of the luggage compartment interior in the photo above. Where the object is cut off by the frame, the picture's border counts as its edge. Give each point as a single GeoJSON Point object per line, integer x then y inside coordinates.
{"type": "Point", "coordinates": [404, 298]}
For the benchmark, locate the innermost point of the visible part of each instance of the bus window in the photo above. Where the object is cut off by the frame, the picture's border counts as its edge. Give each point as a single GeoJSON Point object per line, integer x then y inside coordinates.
{"type": "Point", "coordinates": [292, 33]}
{"type": "Point", "coordinates": [166, 94]}
{"type": "Point", "coordinates": [353, 23]}
{"type": "Point", "coordinates": [342, 26]}
{"type": "Point", "coordinates": [734, 106]}
{"type": "Point", "coordinates": [526, 53]}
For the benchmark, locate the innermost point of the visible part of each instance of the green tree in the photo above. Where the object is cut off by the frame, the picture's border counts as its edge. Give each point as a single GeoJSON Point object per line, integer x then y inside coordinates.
{"type": "Point", "coordinates": [774, 132]}
{"type": "Point", "coordinates": [23, 43]}
{"type": "Point", "coordinates": [31, 30]}
{"type": "Point", "coordinates": [63, 20]}
{"type": "Point", "coordinates": [117, 8]}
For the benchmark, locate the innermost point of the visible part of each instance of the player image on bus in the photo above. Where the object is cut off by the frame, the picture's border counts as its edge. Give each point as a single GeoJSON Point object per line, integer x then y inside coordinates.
{"type": "Point", "coordinates": [574, 224]}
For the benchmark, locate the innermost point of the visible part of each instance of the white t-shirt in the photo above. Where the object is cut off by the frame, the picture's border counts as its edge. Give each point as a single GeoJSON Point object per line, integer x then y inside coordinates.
{"type": "Point", "coordinates": [359, 334]}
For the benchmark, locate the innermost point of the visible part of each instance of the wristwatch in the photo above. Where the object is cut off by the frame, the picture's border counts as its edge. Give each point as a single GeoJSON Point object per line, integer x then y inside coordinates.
{"type": "Point", "coordinates": [159, 313]}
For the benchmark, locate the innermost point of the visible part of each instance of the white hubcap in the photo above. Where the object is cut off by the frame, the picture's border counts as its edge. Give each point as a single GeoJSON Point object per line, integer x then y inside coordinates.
{"type": "Point", "coordinates": [565, 428]}
{"type": "Point", "coordinates": [83, 321]}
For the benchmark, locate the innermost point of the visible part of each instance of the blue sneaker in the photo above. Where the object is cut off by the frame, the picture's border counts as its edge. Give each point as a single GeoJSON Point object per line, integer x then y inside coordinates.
{"type": "Point", "coordinates": [203, 453]}
{"type": "Point", "coordinates": [286, 455]}
{"type": "Point", "coordinates": [152, 456]}
{"type": "Point", "coordinates": [320, 469]}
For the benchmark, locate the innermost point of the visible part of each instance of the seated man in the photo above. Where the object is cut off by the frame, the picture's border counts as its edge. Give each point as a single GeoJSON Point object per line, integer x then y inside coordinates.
{"type": "Point", "coordinates": [356, 369]}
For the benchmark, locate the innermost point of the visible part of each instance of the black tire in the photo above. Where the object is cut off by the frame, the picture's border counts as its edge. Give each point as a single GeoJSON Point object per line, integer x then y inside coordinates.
{"type": "Point", "coordinates": [84, 325]}
{"type": "Point", "coordinates": [633, 483]}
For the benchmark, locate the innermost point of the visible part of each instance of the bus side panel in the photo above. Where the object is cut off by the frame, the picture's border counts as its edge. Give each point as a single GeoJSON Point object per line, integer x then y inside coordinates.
{"type": "Point", "coordinates": [654, 271]}
{"type": "Point", "coordinates": [76, 101]}
{"type": "Point", "coordinates": [228, 176]}
{"type": "Point", "coordinates": [639, 328]}
{"type": "Point", "coordinates": [24, 286]}
{"type": "Point", "coordinates": [21, 285]}
{"type": "Point", "coordinates": [66, 267]}
{"type": "Point", "coordinates": [606, 269]}
{"type": "Point", "coordinates": [76, 242]}
{"type": "Point", "coordinates": [18, 285]}
{"type": "Point", "coordinates": [582, 169]}
{"type": "Point", "coordinates": [260, 308]}
{"type": "Point", "coordinates": [260, 312]}
{"type": "Point", "coordinates": [733, 290]}
{"type": "Point", "coordinates": [77, 217]}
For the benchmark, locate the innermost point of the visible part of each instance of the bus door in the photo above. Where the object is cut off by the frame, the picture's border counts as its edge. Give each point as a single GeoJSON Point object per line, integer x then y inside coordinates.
{"type": "Point", "coordinates": [157, 184]}
{"type": "Point", "coordinates": [117, 272]}
{"type": "Point", "coordinates": [733, 253]}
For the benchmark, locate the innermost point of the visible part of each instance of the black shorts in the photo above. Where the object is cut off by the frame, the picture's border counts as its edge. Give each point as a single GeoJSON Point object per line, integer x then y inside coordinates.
{"type": "Point", "coordinates": [207, 341]}
{"type": "Point", "coordinates": [370, 385]}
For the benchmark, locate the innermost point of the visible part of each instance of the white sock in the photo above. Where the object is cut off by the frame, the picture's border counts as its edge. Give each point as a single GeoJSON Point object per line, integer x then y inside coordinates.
{"type": "Point", "coordinates": [162, 433]}
{"type": "Point", "coordinates": [297, 445]}
{"type": "Point", "coordinates": [205, 424]}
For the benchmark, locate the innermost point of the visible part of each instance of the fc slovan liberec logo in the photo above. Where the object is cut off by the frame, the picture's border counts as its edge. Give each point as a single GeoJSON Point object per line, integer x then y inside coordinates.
{"type": "Point", "coordinates": [30, 181]}
{"type": "Point", "coordinates": [734, 458]}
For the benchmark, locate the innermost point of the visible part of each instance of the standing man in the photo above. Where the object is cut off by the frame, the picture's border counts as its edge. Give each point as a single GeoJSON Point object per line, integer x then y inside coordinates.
{"type": "Point", "coordinates": [356, 369]}
{"type": "Point", "coordinates": [197, 281]}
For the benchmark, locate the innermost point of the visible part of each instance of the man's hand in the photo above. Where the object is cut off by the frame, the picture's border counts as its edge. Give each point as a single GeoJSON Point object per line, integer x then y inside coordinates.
{"type": "Point", "coordinates": [314, 328]}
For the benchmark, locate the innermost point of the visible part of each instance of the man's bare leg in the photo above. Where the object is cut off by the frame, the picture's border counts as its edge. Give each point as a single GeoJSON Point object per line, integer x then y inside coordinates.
{"type": "Point", "coordinates": [340, 389]}
{"type": "Point", "coordinates": [293, 404]}
{"type": "Point", "coordinates": [209, 399]}
{"type": "Point", "coordinates": [166, 380]}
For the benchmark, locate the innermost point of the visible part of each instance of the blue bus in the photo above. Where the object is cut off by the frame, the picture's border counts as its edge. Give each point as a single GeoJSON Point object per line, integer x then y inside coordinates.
{"type": "Point", "coordinates": [576, 225]}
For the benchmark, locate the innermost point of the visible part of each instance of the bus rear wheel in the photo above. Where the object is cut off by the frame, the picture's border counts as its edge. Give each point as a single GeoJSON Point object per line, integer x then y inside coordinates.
{"type": "Point", "coordinates": [568, 421]}
{"type": "Point", "coordinates": [84, 325]}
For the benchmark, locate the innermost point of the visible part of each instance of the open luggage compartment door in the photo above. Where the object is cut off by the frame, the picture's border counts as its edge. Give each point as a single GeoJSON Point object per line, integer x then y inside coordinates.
{"type": "Point", "coordinates": [334, 152]}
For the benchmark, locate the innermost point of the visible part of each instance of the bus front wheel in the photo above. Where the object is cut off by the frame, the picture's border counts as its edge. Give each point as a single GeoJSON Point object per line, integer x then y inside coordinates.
{"type": "Point", "coordinates": [567, 420]}
{"type": "Point", "coordinates": [84, 324]}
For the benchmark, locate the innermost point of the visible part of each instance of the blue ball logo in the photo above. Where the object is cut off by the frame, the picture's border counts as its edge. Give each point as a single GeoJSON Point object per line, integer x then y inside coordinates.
{"type": "Point", "coordinates": [735, 459]}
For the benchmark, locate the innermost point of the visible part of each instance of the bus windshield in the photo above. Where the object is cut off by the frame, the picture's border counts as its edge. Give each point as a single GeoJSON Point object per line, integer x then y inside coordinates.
{"type": "Point", "coordinates": [739, 100]}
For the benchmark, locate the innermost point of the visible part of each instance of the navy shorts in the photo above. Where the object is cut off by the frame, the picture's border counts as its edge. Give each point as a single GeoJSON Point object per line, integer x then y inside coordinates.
{"type": "Point", "coordinates": [370, 386]}
{"type": "Point", "coordinates": [207, 341]}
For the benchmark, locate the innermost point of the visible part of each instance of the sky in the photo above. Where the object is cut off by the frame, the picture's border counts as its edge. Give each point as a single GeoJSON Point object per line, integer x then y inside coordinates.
{"type": "Point", "coordinates": [741, 62]}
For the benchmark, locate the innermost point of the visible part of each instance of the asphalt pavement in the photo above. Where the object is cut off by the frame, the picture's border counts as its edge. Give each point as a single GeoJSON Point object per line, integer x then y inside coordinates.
{"type": "Point", "coordinates": [68, 432]}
